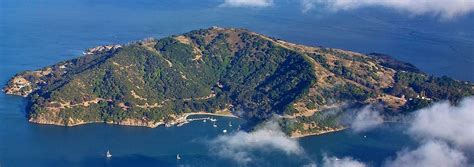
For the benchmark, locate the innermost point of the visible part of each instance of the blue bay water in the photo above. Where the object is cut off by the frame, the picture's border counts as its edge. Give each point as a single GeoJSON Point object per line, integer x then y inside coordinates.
{"type": "Point", "coordinates": [34, 34]}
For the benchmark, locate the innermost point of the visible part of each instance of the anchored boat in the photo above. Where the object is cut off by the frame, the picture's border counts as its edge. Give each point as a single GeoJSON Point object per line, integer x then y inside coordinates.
{"type": "Point", "coordinates": [108, 155]}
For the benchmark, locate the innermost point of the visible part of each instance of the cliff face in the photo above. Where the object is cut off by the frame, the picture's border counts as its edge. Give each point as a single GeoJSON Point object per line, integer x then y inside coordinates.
{"type": "Point", "coordinates": [151, 82]}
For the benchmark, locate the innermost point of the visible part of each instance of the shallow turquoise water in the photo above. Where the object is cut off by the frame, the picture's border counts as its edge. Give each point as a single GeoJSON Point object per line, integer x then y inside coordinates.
{"type": "Point", "coordinates": [38, 33]}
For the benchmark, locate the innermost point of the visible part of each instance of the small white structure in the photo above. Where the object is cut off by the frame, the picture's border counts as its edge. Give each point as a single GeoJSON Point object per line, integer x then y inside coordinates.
{"type": "Point", "coordinates": [108, 155]}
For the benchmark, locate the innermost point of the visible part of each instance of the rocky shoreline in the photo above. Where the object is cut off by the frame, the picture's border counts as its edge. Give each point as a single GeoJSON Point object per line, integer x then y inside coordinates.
{"type": "Point", "coordinates": [317, 133]}
{"type": "Point", "coordinates": [181, 120]}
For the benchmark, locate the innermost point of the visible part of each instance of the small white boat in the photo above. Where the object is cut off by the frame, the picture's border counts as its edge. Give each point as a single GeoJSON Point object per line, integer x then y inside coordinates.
{"type": "Point", "coordinates": [178, 157]}
{"type": "Point", "coordinates": [214, 125]}
{"type": "Point", "coordinates": [213, 120]}
{"type": "Point", "coordinates": [204, 120]}
{"type": "Point", "coordinates": [230, 124]}
{"type": "Point", "coordinates": [224, 131]}
{"type": "Point", "coordinates": [108, 155]}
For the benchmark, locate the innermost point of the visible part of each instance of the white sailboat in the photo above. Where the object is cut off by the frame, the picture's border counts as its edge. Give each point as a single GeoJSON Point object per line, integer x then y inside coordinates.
{"type": "Point", "coordinates": [214, 125]}
{"type": "Point", "coordinates": [108, 155]}
{"type": "Point", "coordinates": [230, 124]}
{"type": "Point", "coordinates": [178, 157]}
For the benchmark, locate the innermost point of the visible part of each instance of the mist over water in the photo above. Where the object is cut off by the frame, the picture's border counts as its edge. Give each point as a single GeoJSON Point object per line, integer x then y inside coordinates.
{"type": "Point", "coordinates": [39, 33]}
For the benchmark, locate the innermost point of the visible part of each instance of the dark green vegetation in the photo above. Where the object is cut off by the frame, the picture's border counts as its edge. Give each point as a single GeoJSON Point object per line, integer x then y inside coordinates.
{"type": "Point", "coordinates": [214, 69]}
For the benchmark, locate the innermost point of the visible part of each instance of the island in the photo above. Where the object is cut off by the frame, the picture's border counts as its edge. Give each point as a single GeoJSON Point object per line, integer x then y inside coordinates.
{"type": "Point", "coordinates": [227, 72]}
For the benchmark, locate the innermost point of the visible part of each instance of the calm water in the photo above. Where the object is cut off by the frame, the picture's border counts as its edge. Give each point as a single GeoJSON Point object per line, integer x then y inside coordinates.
{"type": "Point", "coordinates": [38, 33]}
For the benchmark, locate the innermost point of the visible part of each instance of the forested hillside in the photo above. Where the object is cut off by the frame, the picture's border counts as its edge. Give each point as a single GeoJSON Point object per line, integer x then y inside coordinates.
{"type": "Point", "coordinates": [216, 69]}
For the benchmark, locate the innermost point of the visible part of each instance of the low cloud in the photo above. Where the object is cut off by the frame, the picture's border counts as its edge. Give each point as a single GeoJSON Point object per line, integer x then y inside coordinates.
{"type": "Point", "coordinates": [432, 153]}
{"type": "Point", "coordinates": [247, 3]}
{"type": "Point", "coordinates": [343, 162]}
{"type": "Point", "coordinates": [269, 137]}
{"type": "Point", "coordinates": [443, 121]}
{"type": "Point", "coordinates": [446, 9]}
{"type": "Point", "coordinates": [308, 5]}
{"type": "Point", "coordinates": [445, 131]}
{"type": "Point", "coordinates": [366, 119]}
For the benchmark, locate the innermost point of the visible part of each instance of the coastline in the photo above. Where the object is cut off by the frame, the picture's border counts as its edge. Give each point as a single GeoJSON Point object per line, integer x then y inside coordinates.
{"type": "Point", "coordinates": [337, 130]}
{"type": "Point", "coordinates": [179, 121]}
{"type": "Point", "coordinates": [317, 133]}
{"type": "Point", "coordinates": [212, 114]}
